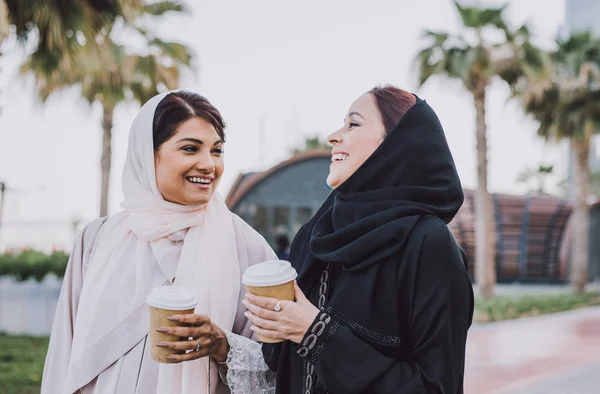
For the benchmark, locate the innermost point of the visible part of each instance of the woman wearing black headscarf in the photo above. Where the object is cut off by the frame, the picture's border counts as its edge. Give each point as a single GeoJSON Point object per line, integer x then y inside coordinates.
{"type": "Point", "coordinates": [388, 299]}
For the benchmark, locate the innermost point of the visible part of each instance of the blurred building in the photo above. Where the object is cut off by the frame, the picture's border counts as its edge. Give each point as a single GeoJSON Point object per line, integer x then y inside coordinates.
{"type": "Point", "coordinates": [531, 236]}
{"type": "Point", "coordinates": [279, 201]}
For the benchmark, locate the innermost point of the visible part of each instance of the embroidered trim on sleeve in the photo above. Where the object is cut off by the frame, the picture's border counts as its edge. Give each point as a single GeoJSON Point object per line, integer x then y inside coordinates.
{"type": "Point", "coordinates": [317, 336]}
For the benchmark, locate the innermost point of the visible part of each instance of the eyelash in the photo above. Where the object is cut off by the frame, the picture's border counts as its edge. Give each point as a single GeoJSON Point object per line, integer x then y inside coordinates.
{"type": "Point", "coordinates": [193, 149]}
{"type": "Point", "coordinates": [353, 124]}
{"type": "Point", "coordinates": [190, 149]}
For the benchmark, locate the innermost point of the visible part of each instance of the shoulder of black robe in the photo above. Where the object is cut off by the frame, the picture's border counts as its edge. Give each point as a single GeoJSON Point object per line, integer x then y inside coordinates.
{"type": "Point", "coordinates": [366, 226]}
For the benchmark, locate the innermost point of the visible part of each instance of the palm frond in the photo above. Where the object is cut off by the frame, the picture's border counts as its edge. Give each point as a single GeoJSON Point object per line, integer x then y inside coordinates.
{"type": "Point", "coordinates": [107, 71]}
{"type": "Point", "coordinates": [61, 27]}
{"type": "Point", "coordinates": [476, 63]}
{"type": "Point", "coordinates": [566, 101]}
{"type": "Point", "coordinates": [477, 18]}
{"type": "Point", "coordinates": [162, 7]}
{"type": "Point", "coordinates": [438, 38]}
{"type": "Point", "coordinates": [445, 54]}
{"type": "Point", "coordinates": [176, 51]}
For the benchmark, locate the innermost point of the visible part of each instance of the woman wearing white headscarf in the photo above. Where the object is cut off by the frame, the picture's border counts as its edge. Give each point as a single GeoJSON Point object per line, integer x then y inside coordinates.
{"type": "Point", "coordinates": [174, 230]}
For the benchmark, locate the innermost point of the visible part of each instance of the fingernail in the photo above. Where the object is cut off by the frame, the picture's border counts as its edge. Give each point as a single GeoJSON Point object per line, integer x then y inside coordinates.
{"type": "Point", "coordinates": [246, 314]}
{"type": "Point", "coordinates": [171, 358]}
{"type": "Point", "coordinates": [173, 318]}
{"type": "Point", "coordinates": [253, 328]}
{"type": "Point", "coordinates": [161, 344]}
{"type": "Point", "coordinates": [161, 329]}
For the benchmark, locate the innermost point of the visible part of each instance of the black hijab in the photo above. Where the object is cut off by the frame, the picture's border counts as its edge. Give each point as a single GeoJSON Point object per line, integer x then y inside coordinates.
{"type": "Point", "coordinates": [367, 222]}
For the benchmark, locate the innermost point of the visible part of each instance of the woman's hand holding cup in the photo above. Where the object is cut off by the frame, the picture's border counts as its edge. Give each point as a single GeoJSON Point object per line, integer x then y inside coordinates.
{"type": "Point", "coordinates": [206, 338]}
{"type": "Point", "coordinates": [176, 333]}
{"type": "Point", "coordinates": [276, 320]}
{"type": "Point", "coordinates": [276, 305]}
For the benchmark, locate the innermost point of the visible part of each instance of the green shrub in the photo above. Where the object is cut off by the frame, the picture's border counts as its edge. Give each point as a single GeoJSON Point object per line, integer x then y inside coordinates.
{"type": "Point", "coordinates": [33, 264]}
{"type": "Point", "coordinates": [507, 307]}
{"type": "Point", "coordinates": [21, 364]}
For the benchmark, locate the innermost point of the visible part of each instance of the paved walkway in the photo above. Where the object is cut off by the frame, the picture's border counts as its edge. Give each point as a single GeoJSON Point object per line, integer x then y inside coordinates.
{"type": "Point", "coordinates": [552, 354]}
{"type": "Point", "coordinates": [520, 289]}
{"type": "Point", "coordinates": [581, 380]}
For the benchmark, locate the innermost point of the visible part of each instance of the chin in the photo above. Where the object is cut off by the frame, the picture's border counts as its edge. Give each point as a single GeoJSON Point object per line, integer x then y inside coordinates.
{"type": "Point", "coordinates": [332, 182]}
{"type": "Point", "coordinates": [198, 200]}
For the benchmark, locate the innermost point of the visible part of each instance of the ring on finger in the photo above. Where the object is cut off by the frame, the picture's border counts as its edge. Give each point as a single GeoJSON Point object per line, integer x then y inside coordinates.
{"type": "Point", "coordinates": [277, 307]}
{"type": "Point", "coordinates": [197, 348]}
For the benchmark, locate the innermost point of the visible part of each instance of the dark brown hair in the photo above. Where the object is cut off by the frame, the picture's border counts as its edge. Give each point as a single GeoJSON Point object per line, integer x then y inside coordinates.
{"type": "Point", "coordinates": [176, 108]}
{"type": "Point", "coordinates": [393, 103]}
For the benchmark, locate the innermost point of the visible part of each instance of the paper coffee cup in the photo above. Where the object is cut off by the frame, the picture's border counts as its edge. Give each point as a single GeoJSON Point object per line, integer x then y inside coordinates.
{"type": "Point", "coordinates": [166, 301]}
{"type": "Point", "coordinates": [274, 279]}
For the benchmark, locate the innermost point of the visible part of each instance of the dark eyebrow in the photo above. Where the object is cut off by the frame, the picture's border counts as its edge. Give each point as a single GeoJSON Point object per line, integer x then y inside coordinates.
{"type": "Point", "coordinates": [354, 113]}
{"type": "Point", "coordinates": [194, 140]}
{"type": "Point", "coordinates": [197, 141]}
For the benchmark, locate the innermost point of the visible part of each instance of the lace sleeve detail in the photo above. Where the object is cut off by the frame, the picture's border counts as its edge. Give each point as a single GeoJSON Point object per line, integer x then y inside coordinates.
{"type": "Point", "coordinates": [247, 371]}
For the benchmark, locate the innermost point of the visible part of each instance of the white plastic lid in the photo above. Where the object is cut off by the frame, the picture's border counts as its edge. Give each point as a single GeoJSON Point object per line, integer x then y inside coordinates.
{"type": "Point", "coordinates": [171, 298]}
{"type": "Point", "coordinates": [269, 273]}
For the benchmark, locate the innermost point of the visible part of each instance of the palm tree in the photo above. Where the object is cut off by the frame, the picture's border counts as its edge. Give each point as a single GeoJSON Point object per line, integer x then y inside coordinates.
{"type": "Point", "coordinates": [565, 100]}
{"type": "Point", "coordinates": [475, 61]}
{"type": "Point", "coordinates": [60, 26]}
{"type": "Point", "coordinates": [4, 22]}
{"type": "Point", "coordinates": [109, 73]}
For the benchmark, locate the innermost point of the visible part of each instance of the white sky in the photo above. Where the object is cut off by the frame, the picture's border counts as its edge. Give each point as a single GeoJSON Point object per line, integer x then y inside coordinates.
{"type": "Point", "coordinates": [298, 65]}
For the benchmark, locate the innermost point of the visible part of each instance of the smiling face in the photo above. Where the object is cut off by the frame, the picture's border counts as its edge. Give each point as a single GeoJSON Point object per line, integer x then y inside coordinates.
{"type": "Point", "coordinates": [361, 135]}
{"type": "Point", "coordinates": [190, 163]}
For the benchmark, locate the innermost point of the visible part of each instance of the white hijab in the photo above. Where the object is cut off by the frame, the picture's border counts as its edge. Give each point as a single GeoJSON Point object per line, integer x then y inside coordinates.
{"type": "Point", "coordinates": [128, 261]}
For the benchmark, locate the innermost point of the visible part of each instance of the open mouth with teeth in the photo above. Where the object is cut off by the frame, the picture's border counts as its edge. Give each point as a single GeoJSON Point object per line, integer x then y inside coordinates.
{"type": "Point", "coordinates": [339, 157]}
{"type": "Point", "coordinates": [199, 181]}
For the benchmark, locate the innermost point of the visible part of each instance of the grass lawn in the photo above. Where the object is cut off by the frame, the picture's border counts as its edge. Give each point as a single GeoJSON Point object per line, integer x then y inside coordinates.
{"type": "Point", "coordinates": [21, 364]}
{"type": "Point", "coordinates": [507, 307]}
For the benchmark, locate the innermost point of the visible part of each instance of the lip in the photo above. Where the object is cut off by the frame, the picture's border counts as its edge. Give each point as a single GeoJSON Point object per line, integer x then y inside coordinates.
{"type": "Point", "coordinates": [335, 152]}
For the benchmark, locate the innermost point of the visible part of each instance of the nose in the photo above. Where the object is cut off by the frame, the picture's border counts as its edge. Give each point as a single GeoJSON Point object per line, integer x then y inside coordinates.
{"type": "Point", "coordinates": [205, 162]}
{"type": "Point", "coordinates": [335, 137]}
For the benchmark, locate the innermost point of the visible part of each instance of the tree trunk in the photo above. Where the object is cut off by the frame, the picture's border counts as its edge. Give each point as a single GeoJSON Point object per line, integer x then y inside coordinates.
{"type": "Point", "coordinates": [581, 216]}
{"type": "Point", "coordinates": [105, 161]}
{"type": "Point", "coordinates": [2, 194]}
{"type": "Point", "coordinates": [485, 272]}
